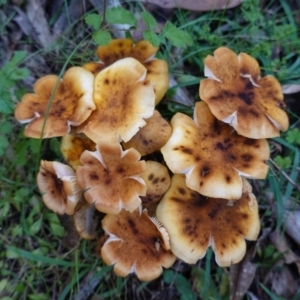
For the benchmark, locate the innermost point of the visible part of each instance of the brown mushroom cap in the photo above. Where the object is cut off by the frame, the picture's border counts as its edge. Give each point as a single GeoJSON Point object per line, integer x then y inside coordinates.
{"type": "Point", "coordinates": [73, 146]}
{"type": "Point", "coordinates": [59, 186]}
{"type": "Point", "coordinates": [143, 51]}
{"type": "Point", "coordinates": [237, 95]}
{"type": "Point", "coordinates": [195, 222]}
{"type": "Point", "coordinates": [111, 178]}
{"type": "Point", "coordinates": [212, 156]}
{"type": "Point", "coordinates": [152, 136]}
{"type": "Point", "coordinates": [157, 180]}
{"type": "Point", "coordinates": [72, 103]}
{"type": "Point", "coordinates": [123, 100]}
{"type": "Point", "coordinates": [136, 244]}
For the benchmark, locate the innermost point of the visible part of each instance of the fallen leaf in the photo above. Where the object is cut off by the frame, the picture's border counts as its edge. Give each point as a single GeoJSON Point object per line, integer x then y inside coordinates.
{"type": "Point", "coordinates": [283, 283]}
{"type": "Point", "coordinates": [290, 88]}
{"type": "Point", "coordinates": [242, 275]}
{"type": "Point", "coordinates": [197, 5]}
{"type": "Point", "coordinates": [281, 244]}
{"type": "Point", "coordinates": [292, 225]}
{"type": "Point", "coordinates": [36, 16]}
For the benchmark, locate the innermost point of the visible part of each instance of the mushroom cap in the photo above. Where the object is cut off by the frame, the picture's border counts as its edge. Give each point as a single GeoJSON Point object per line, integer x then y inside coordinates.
{"type": "Point", "coordinates": [72, 146]}
{"type": "Point", "coordinates": [84, 220]}
{"type": "Point", "coordinates": [212, 155]}
{"type": "Point", "coordinates": [158, 74]}
{"type": "Point", "coordinates": [195, 222]}
{"type": "Point", "coordinates": [72, 103]}
{"type": "Point", "coordinates": [136, 244]}
{"type": "Point", "coordinates": [157, 180]}
{"type": "Point", "coordinates": [143, 51]}
{"type": "Point", "coordinates": [152, 136]}
{"type": "Point", "coordinates": [237, 95]}
{"type": "Point", "coordinates": [123, 99]}
{"type": "Point", "coordinates": [111, 178]}
{"type": "Point", "coordinates": [122, 48]}
{"type": "Point", "coordinates": [59, 186]}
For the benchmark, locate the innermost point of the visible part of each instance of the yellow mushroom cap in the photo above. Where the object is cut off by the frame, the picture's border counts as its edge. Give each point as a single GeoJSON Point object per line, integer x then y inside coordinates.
{"type": "Point", "coordinates": [136, 244]}
{"type": "Point", "coordinates": [72, 103]}
{"type": "Point", "coordinates": [111, 178]}
{"type": "Point", "coordinates": [143, 51]}
{"type": "Point", "coordinates": [73, 146]}
{"type": "Point", "coordinates": [59, 186]}
{"type": "Point", "coordinates": [157, 180]}
{"type": "Point", "coordinates": [152, 136]}
{"type": "Point", "coordinates": [213, 156]}
{"type": "Point", "coordinates": [123, 99]}
{"type": "Point", "coordinates": [195, 222]}
{"type": "Point", "coordinates": [237, 95]}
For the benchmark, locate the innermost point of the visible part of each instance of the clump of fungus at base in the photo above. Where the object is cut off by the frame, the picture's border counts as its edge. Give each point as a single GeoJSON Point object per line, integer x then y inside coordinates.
{"type": "Point", "coordinates": [164, 190]}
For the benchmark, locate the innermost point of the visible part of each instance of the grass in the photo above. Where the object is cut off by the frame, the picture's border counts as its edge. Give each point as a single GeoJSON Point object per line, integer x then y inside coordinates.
{"type": "Point", "coordinates": [41, 256]}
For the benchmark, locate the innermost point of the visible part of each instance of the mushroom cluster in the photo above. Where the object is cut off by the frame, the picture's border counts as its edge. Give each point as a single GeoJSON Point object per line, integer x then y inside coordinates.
{"type": "Point", "coordinates": [154, 210]}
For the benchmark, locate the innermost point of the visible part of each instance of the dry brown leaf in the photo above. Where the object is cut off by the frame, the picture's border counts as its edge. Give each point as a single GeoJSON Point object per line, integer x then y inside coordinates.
{"type": "Point", "coordinates": [242, 275]}
{"type": "Point", "coordinates": [292, 224]}
{"type": "Point", "coordinates": [197, 5]}
{"type": "Point", "coordinates": [36, 16]}
{"type": "Point", "coordinates": [281, 243]}
{"type": "Point", "coordinates": [283, 283]}
{"type": "Point", "coordinates": [74, 11]}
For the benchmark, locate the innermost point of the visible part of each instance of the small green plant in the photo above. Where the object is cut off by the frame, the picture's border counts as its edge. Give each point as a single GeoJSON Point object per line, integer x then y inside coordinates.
{"type": "Point", "coordinates": [118, 15]}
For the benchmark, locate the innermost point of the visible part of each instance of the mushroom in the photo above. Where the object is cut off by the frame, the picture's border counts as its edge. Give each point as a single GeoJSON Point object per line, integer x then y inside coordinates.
{"type": "Point", "coordinates": [136, 244]}
{"type": "Point", "coordinates": [237, 95]}
{"type": "Point", "coordinates": [72, 146]}
{"type": "Point", "coordinates": [111, 178]}
{"type": "Point", "coordinates": [57, 104]}
{"type": "Point", "coordinates": [143, 51]}
{"type": "Point", "coordinates": [195, 222]}
{"type": "Point", "coordinates": [59, 186]}
{"type": "Point", "coordinates": [157, 180]}
{"type": "Point", "coordinates": [212, 155]}
{"type": "Point", "coordinates": [152, 136]}
{"type": "Point", "coordinates": [123, 99]}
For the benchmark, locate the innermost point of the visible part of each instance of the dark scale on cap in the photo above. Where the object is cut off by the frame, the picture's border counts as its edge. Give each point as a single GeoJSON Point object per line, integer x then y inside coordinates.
{"type": "Point", "coordinates": [155, 180]}
{"type": "Point", "coordinates": [197, 158]}
{"type": "Point", "coordinates": [249, 85]}
{"type": "Point", "coordinates": [253, 112]}
{"type": "Point", "coordinates": [120, 170]}
{"type": "Point", "coordinates": [181, 191]}
{"type": "Point", "coordinates": [133, 227]}
{"type": "Point", "coordinates": [199, 200]}
{"type": "Point", "coordinates": [249, 142]}
{"type": "Point", "coordinates": [213, 213]}
{"type": "Point", "coordinates": [187, 220]}
{"type": "Point", "coordinates": [94, 176]}
{"type": "Point", "coordinates": [245, 216]}
{"type": "Point", "coordinates": [216, 128]}
{"type": "Point", "coordinates": [246, 97]}
{"type": "Point", "coordinates": [227, 178]}
{"type": "Point", "coordinates": [145, 142]}
{"type": "Point", "coordinates": [231, 157]}
{"type": "Point", "coordinates": [151, 176]}
{"type": "Point", "coordinates": [186, 150]}
{"type": "Point", "coordinates": [247, 157]}
{"type": "Point", "coordinates": [205, 170]}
